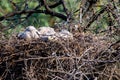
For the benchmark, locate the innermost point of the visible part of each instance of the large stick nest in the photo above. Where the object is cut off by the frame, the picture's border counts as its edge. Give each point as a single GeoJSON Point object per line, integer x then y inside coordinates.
{"type": "Point", "coordinates": [86, 57]}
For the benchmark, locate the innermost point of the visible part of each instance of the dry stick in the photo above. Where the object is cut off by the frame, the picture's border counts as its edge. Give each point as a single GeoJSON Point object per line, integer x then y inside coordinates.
{"type": "Point", "coordinates": [112, 73]}
{"type": "Point", "coordinates": [54, 77]}
{"type": "Point", "coordinates": [113, 44]}
{"type": "Point", "coordinates": [56, 71]}
{"type": "Point", "coordinates": [111, 10]}
{"type": "Point", "coordinates": [88, 4]}
{"type": "Point", "coordinates": [94, 17]}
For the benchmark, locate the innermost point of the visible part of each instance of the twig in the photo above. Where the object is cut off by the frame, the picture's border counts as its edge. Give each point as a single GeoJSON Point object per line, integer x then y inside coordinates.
{"type": "Point", "coordinates": [46, 6]}
{"type": "Point", "coordinates": [113, 70]}
{"type": "Point", "coordinates": [94, 17]}
{"type": "Point", "coordinates": [55, 4]}
{"type": "Point", "coordinates": [14, 5]}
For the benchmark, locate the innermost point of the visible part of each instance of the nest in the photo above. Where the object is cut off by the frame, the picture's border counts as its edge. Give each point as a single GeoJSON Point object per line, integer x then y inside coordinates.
{"type": "Point", "coordinates": [86, 57]}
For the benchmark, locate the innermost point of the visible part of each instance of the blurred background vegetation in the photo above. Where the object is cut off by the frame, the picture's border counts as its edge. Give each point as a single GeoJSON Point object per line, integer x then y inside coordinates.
{"type": "Point", "coordinates": [75, 8]}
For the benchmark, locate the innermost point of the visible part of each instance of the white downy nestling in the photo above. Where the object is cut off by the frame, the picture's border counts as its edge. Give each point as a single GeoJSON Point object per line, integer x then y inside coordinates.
{"type": "Point", "coordinates": [34, 32]}
{"type": "Point", "coordinates": [24, 35]}
{"type": "Point", "coordinates": [65, 34]}
{"type": "Point", "coordinates": [30, 33]}
{"type": "Point", "coordinates": [46, 31]}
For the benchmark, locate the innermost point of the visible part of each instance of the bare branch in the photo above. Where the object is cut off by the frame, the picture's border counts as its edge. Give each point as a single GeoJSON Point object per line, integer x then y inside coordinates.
{"type": "Point", "coordinates": [96, 15]}
{"type": "Point", "coordinates": [14, 5]}
{"type": "Point", "coordinates": [55, 5]}
{"type": "Point", "coordinates": [30, 12]}
{"type": "Point", "coordinates": [59, 15]}
{"type": "Point", "coordinates": [65, 9]}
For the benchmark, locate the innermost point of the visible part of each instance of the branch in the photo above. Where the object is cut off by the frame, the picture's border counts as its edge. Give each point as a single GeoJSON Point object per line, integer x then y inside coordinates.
{"type": "Point", "coordinates": [65, 9]}
{"type": "Point", "coordinates": [33, 9]}
{"type": "Point", "coordinates": [115, 44]}
{"type": "Point", "coordinates": [95, 16]}
{"type": "Point", "coordinates": [46, 6]}
{"type": "Point", "coordinates": [88, 5]}
{"type": "Point", "coordinates": [14, 5]}
{"type": "Point", "coordinates": [55, 5]}
{"type": "Point", "coordinates": [41, 3]}
{"type": "Point", "coordinates": [59, 15]}
{"type": "Point", "coordinates": [30, 12]}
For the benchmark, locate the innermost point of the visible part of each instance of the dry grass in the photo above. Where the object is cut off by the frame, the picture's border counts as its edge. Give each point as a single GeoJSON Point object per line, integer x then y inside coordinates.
{"type": "Point", "coordinates": [87, 57]}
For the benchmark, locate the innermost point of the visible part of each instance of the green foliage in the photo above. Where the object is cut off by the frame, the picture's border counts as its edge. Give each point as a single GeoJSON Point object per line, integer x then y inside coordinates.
{"type": "Point", "coordinates": [5, 7]}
